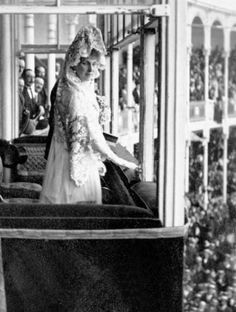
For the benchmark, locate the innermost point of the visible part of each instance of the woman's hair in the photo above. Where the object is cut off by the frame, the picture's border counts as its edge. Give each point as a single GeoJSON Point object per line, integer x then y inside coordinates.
{"type": "Point", "coordinates": [101, 58]}
{"type": "Point", "coordinates": [95, 54]}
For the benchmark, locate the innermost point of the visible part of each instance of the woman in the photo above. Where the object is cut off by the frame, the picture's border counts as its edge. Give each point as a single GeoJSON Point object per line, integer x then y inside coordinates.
{"type": "Point", "coordinates": [78, 146]}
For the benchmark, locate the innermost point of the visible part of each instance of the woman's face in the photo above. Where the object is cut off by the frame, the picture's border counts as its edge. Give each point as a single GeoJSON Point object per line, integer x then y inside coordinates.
{"type": "Point", "coordinates": [87, 68]}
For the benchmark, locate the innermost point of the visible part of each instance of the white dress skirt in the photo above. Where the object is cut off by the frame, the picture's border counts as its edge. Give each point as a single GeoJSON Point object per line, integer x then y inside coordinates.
{"type": "Point", "coordinates": [59, 188]}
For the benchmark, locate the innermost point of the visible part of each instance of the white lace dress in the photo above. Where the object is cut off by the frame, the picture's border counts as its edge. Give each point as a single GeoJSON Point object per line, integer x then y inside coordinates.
{"type": "Point", "coordinates": [74, 161]}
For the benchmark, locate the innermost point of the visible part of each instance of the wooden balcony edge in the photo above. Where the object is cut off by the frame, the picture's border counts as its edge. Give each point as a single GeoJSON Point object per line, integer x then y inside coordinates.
{"type": "Point", "coordinates": [107, 234]}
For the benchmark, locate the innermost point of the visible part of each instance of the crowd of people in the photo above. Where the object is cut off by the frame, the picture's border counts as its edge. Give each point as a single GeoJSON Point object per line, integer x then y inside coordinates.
{"type": "Point", "coordinates": [197, 79]}
{"type": "Point", "coordinates": [216, 82]}
{"type": "Point", "coordinates": [33, 99]}
{"type": "Point", "coordinates": [216, 79]}
{"type": "Point", "coordinates": [232, 81]}
{"type": "Point", "coordinates": [210, 251]}
{"type": "Point", "coordinates": [210, 248]}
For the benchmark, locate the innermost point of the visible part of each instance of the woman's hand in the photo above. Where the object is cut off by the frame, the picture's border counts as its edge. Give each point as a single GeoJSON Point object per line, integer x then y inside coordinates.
{"type": "Point", "coordinates": [137, 169]}
{"type": "Point", "coordinates": [130, 165]}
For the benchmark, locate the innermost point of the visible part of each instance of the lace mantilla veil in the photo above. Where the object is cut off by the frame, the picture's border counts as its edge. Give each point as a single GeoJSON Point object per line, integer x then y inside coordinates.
{"type": "Point", "coordinates": [87, 39]}
{"type": "Point", "coordinates": [72, 124]}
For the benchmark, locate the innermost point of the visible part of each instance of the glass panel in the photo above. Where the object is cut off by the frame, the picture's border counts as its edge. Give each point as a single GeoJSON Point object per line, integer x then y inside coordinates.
{"type": "Point", "coordinates": [41, 21]}
{"type": "Point", "coordinates": [42, 60]}
{"type": "Point", "coordinates": [29, 2]}
{"type": "Point", "coordinates": [76, 2]}
{"type": "Point", "coordinates": [111, 2]}
{"type": "Point", "coordinates": [127, 24]}
{"type": "Point", "coordinates": [63, 30]}
{"type": "Point", "coordinates": [115, 21]}
{"type": "Point", "coordinates": [107, 27]}
{"type": "Point", "coordinates": [197, 110]}
{"type": "Point", "coordinates": [69, 25]}
{"type": "Point", "coordinates": [101, 2]}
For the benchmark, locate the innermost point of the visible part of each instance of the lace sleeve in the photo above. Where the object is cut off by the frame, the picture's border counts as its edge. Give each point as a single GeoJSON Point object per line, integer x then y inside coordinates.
{"type": "Point", "coordinates": [101, 146]}
{"type": "Point", "coordinates": [72, 118]}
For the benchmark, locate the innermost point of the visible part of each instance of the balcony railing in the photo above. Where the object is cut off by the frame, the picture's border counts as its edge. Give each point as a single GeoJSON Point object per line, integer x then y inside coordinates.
{"type": "Point", "coordinates": [202, 111]}
{"type": "Point", "coordinates": [197, 111]}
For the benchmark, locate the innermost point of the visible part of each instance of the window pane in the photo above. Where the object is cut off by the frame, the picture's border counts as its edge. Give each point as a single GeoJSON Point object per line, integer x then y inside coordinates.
{"type": "Point", "coordinates": [79, 2]}
{"type": "Point", "coordinates": [108, 2]}
{"type": "Point", "coordinates": [29, 2]}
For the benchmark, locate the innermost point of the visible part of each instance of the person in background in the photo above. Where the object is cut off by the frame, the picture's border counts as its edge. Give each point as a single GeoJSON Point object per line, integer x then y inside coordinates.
{"type": "Point", "coordinates": [26, 125]}
{"type": "Point", "coordinates": [35, 111]}
{"type": "Point", "coordinates": [136, 73]}
{"type": "Point", "coordinates": [21, 66]}
{"type": "Point", "coordinates": [122, 77]}
{"type": "Point", "coordinates": [136, 93]}
{"type": "Point", "coordinates": [21, 85]}
{"type": "Point", "coordinates": [40, 72]}
{"type": "Point", "coordinates": [78, 147]}
{"type": "Point", "coordinates": [39, 96]}
{"type": "Point", "coordinates": [23, 116]}
{"type": "Point", "coordinates": [29, 95]}
{"type": "Point", "coordinates": [136, 97]}
{"type": "Point", "coordinates": [41, 101]}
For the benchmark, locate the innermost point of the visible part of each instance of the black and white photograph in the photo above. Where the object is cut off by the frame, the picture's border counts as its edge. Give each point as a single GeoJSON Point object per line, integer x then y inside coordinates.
{"type": "Point", "coordinates": [117, 156]}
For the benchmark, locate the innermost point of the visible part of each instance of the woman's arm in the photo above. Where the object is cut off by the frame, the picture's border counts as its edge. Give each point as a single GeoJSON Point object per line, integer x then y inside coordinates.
{"type": "Point", "coordinates": [101, 145]}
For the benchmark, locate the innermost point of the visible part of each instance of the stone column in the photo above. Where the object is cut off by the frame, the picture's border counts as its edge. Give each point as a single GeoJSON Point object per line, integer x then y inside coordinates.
{"type": "Point", "coordinates": [6, 91]}
{"type": "Point", "coordinates": [5, 117]}
{"type": "Point", "coordinates": [226, 85]}
{"type": "Point", "coordinates": [72, 22]}
{"type": "Point", "coordinates": [173, 131]}
{"type": "Point", "coordinates": [187, 147]}
{"type": "Point", "coordinates": [147, 111]}
{"type": "Point", "coordinates": [226, 105]}
{"type": "Point", "coordinates": [207, 50]}
{"type": "Point", "coordinates": [206, 134]}
{"type": "Point", "coordinates": [115, 91]}
{"type": "Point", "coordinates": [130, 127]}
{"type": "Point", "coordinates": [188, 131]}
{"type": "Point", "coordinates": [108, 87]}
